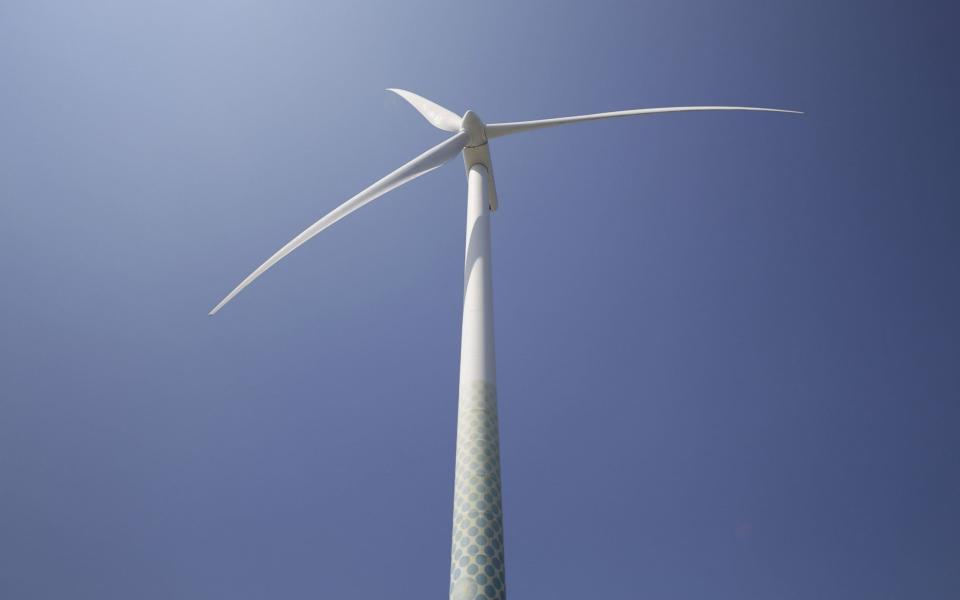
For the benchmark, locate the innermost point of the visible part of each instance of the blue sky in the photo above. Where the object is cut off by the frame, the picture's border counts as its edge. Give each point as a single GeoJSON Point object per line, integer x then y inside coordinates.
{"type": "Point", "coordinates": [727, 343]}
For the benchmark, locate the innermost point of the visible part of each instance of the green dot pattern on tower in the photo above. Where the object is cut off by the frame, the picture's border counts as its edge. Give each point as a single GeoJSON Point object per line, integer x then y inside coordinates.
{"type": "Point", "coordinates": [476, 565]}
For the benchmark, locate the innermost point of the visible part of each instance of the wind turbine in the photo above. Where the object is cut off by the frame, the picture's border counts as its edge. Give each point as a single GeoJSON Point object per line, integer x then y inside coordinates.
{"type": "Point", "coordinates": [477, 561]}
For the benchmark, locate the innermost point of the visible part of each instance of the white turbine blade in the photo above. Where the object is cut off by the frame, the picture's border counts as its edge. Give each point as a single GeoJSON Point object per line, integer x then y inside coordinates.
{"type": "Point", "coordinates": [428, 161]}
{"type": "Point", "coordinates": [500, 129]}
{"type": "Point", "coordinates": [438, 116]}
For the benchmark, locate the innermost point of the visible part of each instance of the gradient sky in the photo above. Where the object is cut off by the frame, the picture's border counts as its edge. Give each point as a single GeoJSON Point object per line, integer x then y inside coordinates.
{"type": "Point", "coordinates": [728, 344]}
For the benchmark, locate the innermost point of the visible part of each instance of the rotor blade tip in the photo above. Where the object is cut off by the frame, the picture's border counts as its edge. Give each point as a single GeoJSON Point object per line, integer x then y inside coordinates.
{"type": "Point", "coordinates": [217, 308]}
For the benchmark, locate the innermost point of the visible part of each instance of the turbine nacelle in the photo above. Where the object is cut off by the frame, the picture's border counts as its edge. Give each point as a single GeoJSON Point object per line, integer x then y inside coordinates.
{"type": "Point", "coordinates": [477, 152]}
{"type": "Point", "coordinates": [472, 124]}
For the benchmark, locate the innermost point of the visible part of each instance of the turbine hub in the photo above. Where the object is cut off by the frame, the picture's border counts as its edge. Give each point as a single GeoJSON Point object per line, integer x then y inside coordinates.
{"type": "Point", "coordinates": [472, 124]}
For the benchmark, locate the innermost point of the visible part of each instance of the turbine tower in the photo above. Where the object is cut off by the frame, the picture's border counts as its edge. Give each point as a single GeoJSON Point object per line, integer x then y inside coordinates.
{"type": "Point", "coordinates": [477, 560]}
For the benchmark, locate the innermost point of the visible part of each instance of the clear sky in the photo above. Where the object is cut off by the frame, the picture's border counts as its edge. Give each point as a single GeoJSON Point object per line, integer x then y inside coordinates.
{"type": "Point", "coordinates": [728, 344]}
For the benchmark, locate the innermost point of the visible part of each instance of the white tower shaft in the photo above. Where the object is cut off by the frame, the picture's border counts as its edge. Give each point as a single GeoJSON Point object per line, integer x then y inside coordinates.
{"type": "Point", "coordinates": [476, 564]}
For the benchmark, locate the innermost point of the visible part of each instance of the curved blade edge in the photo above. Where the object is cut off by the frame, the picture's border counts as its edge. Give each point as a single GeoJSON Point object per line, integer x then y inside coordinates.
{"type": "Point", "coordinates": [494, 130]}
{"type": "Point", "coordinates": [431, 159]}
{"type": "Point", "coordinates": [438, 116]}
